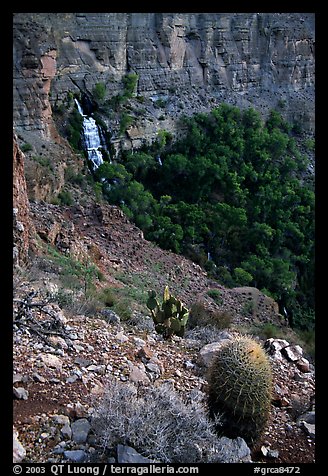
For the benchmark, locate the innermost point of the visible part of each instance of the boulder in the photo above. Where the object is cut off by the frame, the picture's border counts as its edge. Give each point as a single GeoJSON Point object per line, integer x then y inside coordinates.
{"type": "Point", "coordinates": [76, 456]}
{"type": "Point", "coordinates": [80, 430]}
{"type": "Point", "coordinates": [303, 365]}
{"type": "Point", "coordinates": [137, 375]}
{"type": "Point", "coordinates": [20, 393]}
{"type": "Point", "coordinates": [52, 361]}
{"type": "Point", "coordinates": [275, 346]}
{"type": "Point", "coordinates": [234, 451]}
{"type": "Point", "coordinates": [293, 352]}
{"type": "Point", "coordinates": [127, 454]}
{"type": "Point", "coordinates": [209, 351]}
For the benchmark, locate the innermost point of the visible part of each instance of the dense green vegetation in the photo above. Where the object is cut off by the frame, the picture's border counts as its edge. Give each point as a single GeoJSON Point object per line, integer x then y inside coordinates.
{"type": "Point", "coordinates": [231, 196]}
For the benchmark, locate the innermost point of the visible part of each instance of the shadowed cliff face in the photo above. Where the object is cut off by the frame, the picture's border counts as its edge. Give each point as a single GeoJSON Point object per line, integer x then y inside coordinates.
{"type": "Point", "coordinates": [245, 59]}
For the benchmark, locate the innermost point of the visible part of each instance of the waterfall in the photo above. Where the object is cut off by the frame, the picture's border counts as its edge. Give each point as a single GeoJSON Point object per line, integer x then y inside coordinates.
{"type": "Point", "coordinates": [92, 138]}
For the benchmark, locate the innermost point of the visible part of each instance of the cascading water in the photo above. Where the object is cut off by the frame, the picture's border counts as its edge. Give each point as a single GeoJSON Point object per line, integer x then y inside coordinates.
{"type": "Point", "coordinates": [92, 138]}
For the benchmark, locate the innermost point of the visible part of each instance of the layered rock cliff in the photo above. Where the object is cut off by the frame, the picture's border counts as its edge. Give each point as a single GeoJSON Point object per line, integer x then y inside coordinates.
{"type": "Point", "coordinates": [240, 57]}
{"type": "Point", "coordinates": [186, 63]}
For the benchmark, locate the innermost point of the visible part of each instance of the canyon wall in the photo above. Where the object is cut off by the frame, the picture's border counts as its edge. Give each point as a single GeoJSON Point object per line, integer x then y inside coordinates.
{"type": "Point", "coordinates": [191, 61]}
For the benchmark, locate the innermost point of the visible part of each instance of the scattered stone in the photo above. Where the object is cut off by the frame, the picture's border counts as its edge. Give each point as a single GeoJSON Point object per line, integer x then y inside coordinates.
{"type": "Point", "coordinates": [72, 378]}
{"type": "Point", "coordinates": [76, 410]}
{"type": "Point", "coordinates": [99, 369]}
{"type": "Point", "coordinates": [52, 361]}
{"type": "Point", "coordinates": [279, 398]}
{"type": "Point", "coordinates": [20, 393]}
{"type": "Point", "coordinates": [145, 353]}
{"type": "Point", "coordinates": [139, 342]}
{"type": "Point", "coordinates": [303, 365]}
{"type": "Point", "coordinates": [188, 365]}
{"type": "Point", "coordinates": [120, 337]}
{"type": "Point", "coordinates": [66, 431]}
{"type": "Point", "coordinates": [80, 430]}
{"type": "Point", "coordinates": [58, 341]}
{"type": "Point", "coordinates": [17, 378]}
{"type": "Point", "coordinates": [308, 417]}
{"type": "Point", "coordinates": [127, 454]}
{"type": "Point", "coordinates": [298, 377]}
{"type": "Point", "coordinates": [38, 378]}
{"type": "Point", "coordinates": [110, 316]}
{"type": "Point", "coordinates": [234, 451]}
{"type": "Point", "coordinates": [60, 419]}
{"type": "Point", "coordinates": [308, 428]}
{"type": "Point", "coordinates": [19, 451]}
{"type": "Point", "coordinates": [209, 351]}
{"type": "Point", "coordinates": [269, 453]}
{"type": "Point", "coordinates": [82, 362]}
{"type": "Point", "coordinates": [76, 456]}
{"type": "Point", "coordinates": [293, 352]}
{"type": "Point", "coordinates": [137, 375]}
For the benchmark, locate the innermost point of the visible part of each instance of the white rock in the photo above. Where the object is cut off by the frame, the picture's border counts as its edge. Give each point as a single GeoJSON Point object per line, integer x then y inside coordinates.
{"type": "Point", "coordinates": [309, 428]}
{"type": "Point", "coordinates": [120, 337]}
{"type": "Point", "coordinates": [139, 342]}
{"type": "Point", "coordinates": [274, 347]}
{"type": "Point", "coordinates": [61, 419]}
{"type": "Point", "coordinates": [209, 351]}
{"type": "Point", "coordinates": [137, 375]}
{"type": "Point", "coordinates": [52, 361]}
{"type": "Point", "coordinates": [20, 393]}
{"type": "Point", "coordinates": [19, 451]}
{"type": "Point", "coordinates": [293, 352]}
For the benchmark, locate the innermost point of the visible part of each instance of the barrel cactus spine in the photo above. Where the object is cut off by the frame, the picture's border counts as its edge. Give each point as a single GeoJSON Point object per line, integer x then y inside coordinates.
{"type": "Point", "coordinates": [240, 389]}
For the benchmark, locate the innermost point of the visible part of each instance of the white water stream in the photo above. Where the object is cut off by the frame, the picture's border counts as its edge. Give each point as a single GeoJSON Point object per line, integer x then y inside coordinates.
{"type": "Point", "coordinates": [91, 138]}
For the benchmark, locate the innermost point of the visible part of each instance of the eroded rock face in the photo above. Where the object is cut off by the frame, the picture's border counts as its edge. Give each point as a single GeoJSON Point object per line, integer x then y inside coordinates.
{"type": "Point", "coordinates": [23, 228]}
{"type": "Point", "coordinates": [198, 59]}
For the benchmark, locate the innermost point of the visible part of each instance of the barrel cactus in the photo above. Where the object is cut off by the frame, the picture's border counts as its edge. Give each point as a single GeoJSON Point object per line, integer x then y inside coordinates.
{"type": "Point", "coordinates": [170, 317]}
{"type": "Point", "coordinates": [240, 389]}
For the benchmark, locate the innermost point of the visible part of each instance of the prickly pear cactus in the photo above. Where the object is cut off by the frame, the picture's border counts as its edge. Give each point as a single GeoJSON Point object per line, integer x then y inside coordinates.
{"type": "Point", "coordinates": [240, 388]}
{"type": "Point", "coordinates": [169, 318]}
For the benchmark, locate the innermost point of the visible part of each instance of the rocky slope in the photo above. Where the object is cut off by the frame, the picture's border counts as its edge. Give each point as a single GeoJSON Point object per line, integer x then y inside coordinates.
{"type": "Point", "coordinates": [67, 348]}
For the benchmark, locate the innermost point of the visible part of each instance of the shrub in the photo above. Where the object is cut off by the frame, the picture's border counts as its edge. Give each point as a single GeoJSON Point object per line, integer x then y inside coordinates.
{"type": "Point", "coordinates": [108, 297]}
{"type": "Point", "coordinates": [200, 316]}
{"type": "Point", "coordinates": [99, 92]}
{"type": "Point", "coordinates": [157, 423]}
{"type": "Point", "coordinates": [26, 147]}
{"type": "Point", "coordinates": [215, 294]}
{"type": "Point", "coordinates": [130, 82]}
{"type": "Point", "coordinates": [65, 197]}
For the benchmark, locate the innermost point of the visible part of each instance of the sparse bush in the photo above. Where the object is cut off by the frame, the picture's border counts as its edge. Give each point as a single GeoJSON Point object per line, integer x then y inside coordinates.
{"type": "Point", "coordinates": [200, 316]}
{"type": "Point", "coordinates": [65, 197]}
{"type": "Point", "coordinates": [108, 297]}
{"type": "Point", "coordinates": [215, 294]}
{"type": "Point", "coordinates": [269, 330]}
{"type": "Point", "coordinates": [221, 319]}
{"type": "Point", "coordinates": [157, 423]}
{"type": "Point", "coordinates": [26, 147]}
{"type": "Point", "coordinates": [99, 92]}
